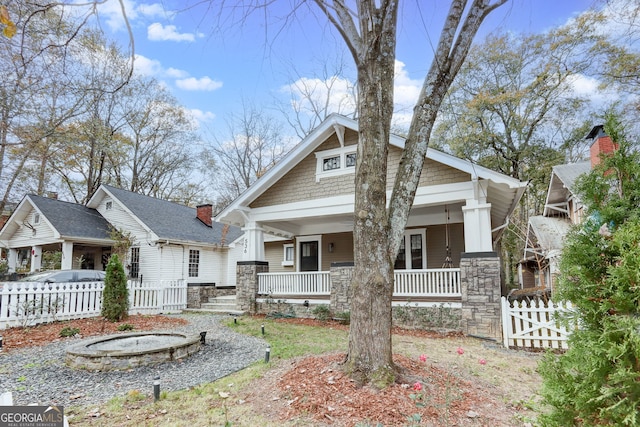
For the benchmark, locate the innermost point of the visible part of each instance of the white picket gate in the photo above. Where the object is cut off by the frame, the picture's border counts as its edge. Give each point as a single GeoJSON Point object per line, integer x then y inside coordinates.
{"type": "Point", "coordinates": [533, 324]}
{"type": "Point", "coordinates": [27, 303]}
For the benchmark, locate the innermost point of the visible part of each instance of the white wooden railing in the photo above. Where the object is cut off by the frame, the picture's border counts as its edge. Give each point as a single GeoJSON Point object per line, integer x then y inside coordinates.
{"type": "Point", "coordinates": [303, 283]}
{"type": "Point", "coordinates": [435, 282]}
{"type": "Point", "coordinates": [440, 282]}
{"type": "Point", "coordinates": [27, 303]}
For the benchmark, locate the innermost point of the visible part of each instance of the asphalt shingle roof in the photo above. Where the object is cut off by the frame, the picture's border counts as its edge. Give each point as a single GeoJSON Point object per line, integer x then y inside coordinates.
{"type": "Point", "coordinates": [570, 172]}
{"type": "Point", "coordinates": [72, 219]}
{"type": "Point", "coordinates": [172, 221]}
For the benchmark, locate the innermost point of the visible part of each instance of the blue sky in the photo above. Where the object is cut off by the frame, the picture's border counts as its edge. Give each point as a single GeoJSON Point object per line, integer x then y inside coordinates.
{"type": "Point", "coordinates": [211, 67]}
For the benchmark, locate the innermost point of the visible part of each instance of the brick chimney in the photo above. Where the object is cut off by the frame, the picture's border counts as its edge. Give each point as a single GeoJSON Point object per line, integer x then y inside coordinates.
{"type": "Point", "coordinates": [602, 145]}
{"type": "Point", "coordinates": [205, 214]}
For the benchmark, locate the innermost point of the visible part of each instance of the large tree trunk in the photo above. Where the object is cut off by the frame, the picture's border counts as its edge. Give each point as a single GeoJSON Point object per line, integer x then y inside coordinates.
{"type": "Point", "coordinates": [370, 356]}
{"type": "Point", "coordinates": [377, 233]}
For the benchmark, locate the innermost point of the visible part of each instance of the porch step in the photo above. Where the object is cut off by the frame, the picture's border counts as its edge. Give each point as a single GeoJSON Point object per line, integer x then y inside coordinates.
{"type": "Point", "coordinates": [219, 305]}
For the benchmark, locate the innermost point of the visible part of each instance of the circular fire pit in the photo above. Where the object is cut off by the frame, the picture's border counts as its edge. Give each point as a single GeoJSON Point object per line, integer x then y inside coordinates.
{"type": "Point", "coordinates": [125, 351]}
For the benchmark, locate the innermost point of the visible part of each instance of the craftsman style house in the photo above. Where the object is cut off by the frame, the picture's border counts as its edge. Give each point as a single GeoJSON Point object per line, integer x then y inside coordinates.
{"type": "Point", "coordinates": [546, 232]}
{"type": "Point", "coordinates": [169, 241]}
{"type": "Point", "coordinates": [298, 218]}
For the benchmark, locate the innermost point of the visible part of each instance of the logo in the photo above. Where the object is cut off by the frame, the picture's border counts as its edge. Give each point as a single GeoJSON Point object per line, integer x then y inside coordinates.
{"type": "Point", "coordinates": [31, 416]}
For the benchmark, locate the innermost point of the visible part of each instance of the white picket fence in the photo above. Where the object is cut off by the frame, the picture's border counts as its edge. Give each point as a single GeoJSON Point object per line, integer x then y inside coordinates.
{"type": "Point", "coordinates": [533, 324]}
{"type": "Point", "coordinates": [27, 304]}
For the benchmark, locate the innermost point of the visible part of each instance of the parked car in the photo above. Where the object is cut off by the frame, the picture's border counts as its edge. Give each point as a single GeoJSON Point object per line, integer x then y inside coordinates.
{"type": "Point", "coordinates": [65, 276]}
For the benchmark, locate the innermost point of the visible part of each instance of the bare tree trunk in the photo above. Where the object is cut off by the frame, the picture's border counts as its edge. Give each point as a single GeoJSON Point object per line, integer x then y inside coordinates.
{"type": "Point", "coordinates": [370, 355]}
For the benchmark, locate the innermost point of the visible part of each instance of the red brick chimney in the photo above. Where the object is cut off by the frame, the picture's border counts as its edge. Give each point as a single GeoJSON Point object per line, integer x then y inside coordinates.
{"type": "Point", "coordinates": [602, 145]}
{"type": "Point", "coordinates": [205, 214]}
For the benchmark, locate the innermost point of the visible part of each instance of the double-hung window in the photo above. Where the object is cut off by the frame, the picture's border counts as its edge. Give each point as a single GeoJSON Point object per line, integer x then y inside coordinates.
{"type": "Point", "coordinates": [194, 262]}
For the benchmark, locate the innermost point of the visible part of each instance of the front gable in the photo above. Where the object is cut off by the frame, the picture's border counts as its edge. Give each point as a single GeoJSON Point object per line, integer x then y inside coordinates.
{"type": "Point", "coordinates": [118, 215]}
{"type": "Point", "coordinates": [26, 224]}
{"type": "Point", "coordinates": [309, 180]}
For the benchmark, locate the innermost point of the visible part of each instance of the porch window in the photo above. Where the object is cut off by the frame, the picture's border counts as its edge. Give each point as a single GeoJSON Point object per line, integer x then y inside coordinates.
{"type": "Point", "coordinates": [194, 262]}
{"type": "Point", "coordinates": [288, 255]}
{"type": "Point", "coordinates": [134, 269]}
{"type": "Point", "coordinates": [337, 161]}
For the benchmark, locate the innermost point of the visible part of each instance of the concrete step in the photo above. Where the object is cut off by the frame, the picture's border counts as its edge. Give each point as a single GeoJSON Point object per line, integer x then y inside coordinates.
{"type": "Point", "coordinates": [214, 311]}
{"type": "Point", "coordinates": [226, 299]}
{"type": "Point", "coordinates": [218, 306]}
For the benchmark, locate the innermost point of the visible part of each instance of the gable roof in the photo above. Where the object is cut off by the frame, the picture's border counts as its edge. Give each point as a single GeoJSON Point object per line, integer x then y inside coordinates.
{"type": "Point", "coordinates": [336, 123]}
{"type": "Point", "coordinates": [71, 219]}
{"type": "Point", "coordinates": [562, 183]}
{"type": "Point", "coordinates": [68, 220]}
{"type": "Point", "coordinates": [549, 233]}
{"type": "Point", "coordinates": [168, 220]}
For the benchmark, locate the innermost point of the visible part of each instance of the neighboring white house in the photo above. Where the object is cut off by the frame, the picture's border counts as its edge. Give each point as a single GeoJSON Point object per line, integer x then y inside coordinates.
{"type": "Point", "coordinates": [170, 241]}
{"type": "Point", "coordinates": [546, 232]}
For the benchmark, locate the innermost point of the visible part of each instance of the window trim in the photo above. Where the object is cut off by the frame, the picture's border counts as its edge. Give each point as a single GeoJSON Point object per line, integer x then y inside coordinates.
{"type": "Point", "coordinates": [288, 262]}
{"type": "Point", "coordinates": [36, 218]}
{"type": "Point", "coordinates": [342, 153]}
{"type": "Point", "coordinates": [134, 264]}
{"type": "Point", "coordinates": [196, 265]}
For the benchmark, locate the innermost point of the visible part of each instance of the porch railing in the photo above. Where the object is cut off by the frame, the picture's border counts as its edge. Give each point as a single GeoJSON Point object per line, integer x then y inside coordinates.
{"type": "Point", "coordinates": [433, 282]}
{"type": "Point", "coordinates": [302, 283]}
{"type": "Point", "coordinates": [438, 282]}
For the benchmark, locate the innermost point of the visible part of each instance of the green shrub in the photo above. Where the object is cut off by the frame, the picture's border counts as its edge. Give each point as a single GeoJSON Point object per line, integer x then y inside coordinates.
{"type": "Point", "coordinates": [69, 331]}
{"type": "Point", "coordinates": [596, 381]}
{"type": "Point", "coordinates": [126, 327]}
{"type": "Point", "coordinates": [115, 295]}
{"type": "Point", "coordinates": [344, 317]}
{"type": "Point", "coordinates": [322, 312]}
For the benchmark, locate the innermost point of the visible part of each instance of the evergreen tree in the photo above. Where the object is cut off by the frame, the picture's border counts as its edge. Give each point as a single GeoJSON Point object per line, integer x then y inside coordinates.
{"type": "Point", "coordinates": [115, 296]}
{"type": "Point", "coordinates": [597, 381]}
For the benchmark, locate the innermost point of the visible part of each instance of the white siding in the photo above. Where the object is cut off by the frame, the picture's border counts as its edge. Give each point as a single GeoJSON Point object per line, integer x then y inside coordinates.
{"type": "Point", "coordinates": [234, 254]}
{"type": "Point", "coordinates": [24, 236]}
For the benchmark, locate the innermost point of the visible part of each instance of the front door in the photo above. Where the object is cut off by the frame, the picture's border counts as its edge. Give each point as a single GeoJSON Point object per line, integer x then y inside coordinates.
{"type": "Point", "coordinates": [412, 253]}
{"type": "Point", "coordinates": [309, 256]}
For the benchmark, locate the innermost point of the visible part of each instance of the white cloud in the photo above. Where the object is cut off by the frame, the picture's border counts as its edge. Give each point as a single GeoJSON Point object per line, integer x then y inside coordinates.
{"type": "Point", "coordinates": [337, 93]}
{"type": "Point", "coordinates": [153, 10]}
{"type": "Point", "coordinates": [588, 87]}
{"type": "Point", "coordinates": [201, 116]}
{"type": "Point", "coordinates": [152, 67]}
{"type": "Point", "coordinates": [147, 67]}
{"type": "Point", "coordinates": [176, 73]}
{"type": "Point", "coordinates": [203, 83]}
{"type": "Point", "coordinates": [158, 32]}
{"type": "Point", "coordinates": [111, 12]}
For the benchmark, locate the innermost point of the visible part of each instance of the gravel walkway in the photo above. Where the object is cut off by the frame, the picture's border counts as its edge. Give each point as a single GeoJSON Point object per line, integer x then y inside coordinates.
{"type": "Point", "coordinates": [38, 375]}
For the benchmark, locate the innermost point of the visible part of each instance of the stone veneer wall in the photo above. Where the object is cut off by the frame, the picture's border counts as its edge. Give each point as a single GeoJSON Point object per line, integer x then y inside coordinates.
{"type": "Point", "coordinates": [341, 273]}
{"type": "Point", "coordinates": [480, 282]}
{"type": "Point", "coordinates": [247, 283]}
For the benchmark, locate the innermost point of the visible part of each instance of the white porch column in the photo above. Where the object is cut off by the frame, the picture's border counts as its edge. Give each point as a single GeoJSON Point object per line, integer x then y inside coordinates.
{"type": "Point", "coordinates": [36, 258]}
{"type": "Point", "coordinates": [477, 227]}
{"type": "Point", "coordinates": [253, 242]}
{"type": "Point", "coordinates": [13, 260]}
{"type": "Point", "coordinates": [67, 256]}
